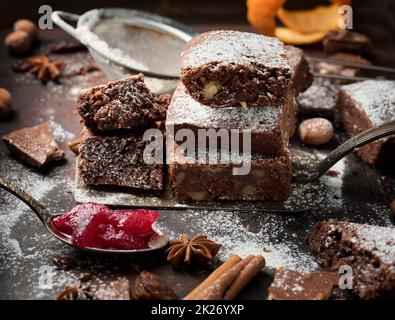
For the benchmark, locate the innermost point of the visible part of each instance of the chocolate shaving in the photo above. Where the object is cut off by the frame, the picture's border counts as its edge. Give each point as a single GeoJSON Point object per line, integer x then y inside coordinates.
{"type": "Point", "coordinates": [66, 47]}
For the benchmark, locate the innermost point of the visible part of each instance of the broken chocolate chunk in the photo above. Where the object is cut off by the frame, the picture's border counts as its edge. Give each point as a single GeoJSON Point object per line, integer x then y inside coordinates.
{"type": "Point", "coordinates": [149, 286]}
{"type": "Point", "coordinates": [66, 47]}
{"type": "Point", "coordinates": [35, 146]}
{"type": "Point", "coordinates": [293, 285]}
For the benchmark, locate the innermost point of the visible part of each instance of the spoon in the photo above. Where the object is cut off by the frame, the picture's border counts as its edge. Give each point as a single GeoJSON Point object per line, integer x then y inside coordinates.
{"type": "Point", "coordinates": [315, 170]}
{"type": "Point", "coordinates": [158, 241]}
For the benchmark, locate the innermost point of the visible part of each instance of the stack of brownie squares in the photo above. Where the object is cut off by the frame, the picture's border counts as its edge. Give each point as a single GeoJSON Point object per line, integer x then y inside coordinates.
{"type": "Point", "coordinates": [111, 146]}
{"type": "Point", "coordinates": [235, 81]}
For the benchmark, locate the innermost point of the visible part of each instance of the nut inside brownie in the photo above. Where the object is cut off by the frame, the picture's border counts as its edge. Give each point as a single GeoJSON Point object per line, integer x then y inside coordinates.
{"type": "Point", "coordinates": [121, 104]}
{"type": "Point", "coordinates": [117, 160]}
{"type": "Point", "coordinates": [236, 69]}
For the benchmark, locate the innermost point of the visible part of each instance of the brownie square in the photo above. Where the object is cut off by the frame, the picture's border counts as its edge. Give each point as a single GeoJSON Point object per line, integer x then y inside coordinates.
{"type": "Point", "coordinates": [224, 69]}
{"type": "Point", "coordinates": [368, 250]}
{"type": "Point", "coordinates": [347, 41]}
{"type": "Point", "coordinates": [121, 104]}
{"type": "Point", "coordinates": [270, 127]}
{"type": "Point", "coordinates": [319, 100]}
{"type": "Point", "coordinates": [117, 160]}
{"type": "Point", "coordinates": [364, 105]}
{"type": "Point", "coordinates": [35, 145]}
{"type": "Point", "coordinates": [302, 77]}
{"type": "Point", "coordinates": [201, 177]}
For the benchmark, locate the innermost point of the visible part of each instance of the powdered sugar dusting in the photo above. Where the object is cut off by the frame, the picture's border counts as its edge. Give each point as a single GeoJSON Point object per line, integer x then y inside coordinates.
{"type": "Point", "coordinates": [375, 97]}
{"type": "Point", "coordinates": [238, 235]}
{"type": "Point", "coordinates": [185, 110]}
{"type": "Point", "coordinates": [235, 47]}
{"type": "Point", "coordinates": [378, 240]}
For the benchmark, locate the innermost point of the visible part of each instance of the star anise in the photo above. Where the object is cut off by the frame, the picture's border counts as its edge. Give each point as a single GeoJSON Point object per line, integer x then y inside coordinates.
{"type": "Point", "coordinates": [45, 69]}
{"type": "Point", "coordinates": [184, 251]}
{"type": "Point", "coordinates": [78, 292]}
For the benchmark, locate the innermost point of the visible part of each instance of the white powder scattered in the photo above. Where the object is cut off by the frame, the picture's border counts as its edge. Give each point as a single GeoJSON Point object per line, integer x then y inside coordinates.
{"type": "Point", "coordinates": [334, 183]}
{"type": "Point", "coordinates": [59, 133]}
{"type": "Point", "coordinates": [237, 235]}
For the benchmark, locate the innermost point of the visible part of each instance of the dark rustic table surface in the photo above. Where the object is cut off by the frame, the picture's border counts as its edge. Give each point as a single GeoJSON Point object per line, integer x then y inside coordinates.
{"type": "Point", "coordinates": [357, 193]}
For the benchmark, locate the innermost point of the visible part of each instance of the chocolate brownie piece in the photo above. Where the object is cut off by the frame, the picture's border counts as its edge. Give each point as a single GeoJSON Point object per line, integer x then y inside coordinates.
{"type": "Point", "coordinates": [319, 100]}
{"type": "Point", "coordinates": [368, 250]}
{"type": "Point", "coordinates": [35, 146]}
{"type": "Point", "coordinates": [347, 41]}
{"type": "Point", "coordinates": [364, 105]}
{"type": "Point", "coordinates": [270, 127]}
{"type": "Point", "coordinates": [301, 75]}
{"type": "Point", "coordinates": [117, 160]}
{"type": "Point", "coordinates": [199, 176]}
{"type": "Point", "coordinates": [121, 104]}
{"type": "Point", "coordinates": [234, 69]}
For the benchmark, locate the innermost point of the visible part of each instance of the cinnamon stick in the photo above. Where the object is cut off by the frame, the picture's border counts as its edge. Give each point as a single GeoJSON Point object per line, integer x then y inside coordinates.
{"type": "Point", "coordinates": [216, 290]}
{"type": "Point", "coordinates": [232, 260]}
{"type": "Point", "coordinates": [246, 275]}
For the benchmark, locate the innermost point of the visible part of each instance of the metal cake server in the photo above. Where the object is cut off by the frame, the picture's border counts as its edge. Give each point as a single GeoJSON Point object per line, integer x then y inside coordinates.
{"type": "Point", "coordinates": [315, 171]}
{"type": "Point", "coordinates": [308, 191]}
{"type": "Point", "coordinates": [157, 242]}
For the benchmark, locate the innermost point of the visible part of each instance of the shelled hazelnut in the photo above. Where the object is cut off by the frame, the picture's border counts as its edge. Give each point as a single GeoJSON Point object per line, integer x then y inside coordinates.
{"type": "Point", "coordinates": [18, 42]}
{"type": "Point", "coordinates": [27, 26]}
{"type": "Point", "coordinates": [315, 131]}
{"type": "Point", "coordinates": [392, 205]}
{"type": "Point", "coordinates": [5, 103]}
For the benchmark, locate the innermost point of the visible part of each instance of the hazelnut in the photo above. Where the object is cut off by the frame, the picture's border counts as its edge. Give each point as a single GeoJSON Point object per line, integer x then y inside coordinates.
{"type": "Point", "coordinates": [18, 42]}
{"type": "Point", "coordinates": [392, 205]}
{"type": "Point", "coordinates": [315, 131]}
{"type": "Point", "coordinates": [210, 89]}
{"type": "Point", "coordinates": [27, 26]}
{"type": "Point", "coordinates": [5, 103]}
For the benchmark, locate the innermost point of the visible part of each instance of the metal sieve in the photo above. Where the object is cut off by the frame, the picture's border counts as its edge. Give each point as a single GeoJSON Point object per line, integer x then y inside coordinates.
{"type": "Point", "coordinates": [125, 42]}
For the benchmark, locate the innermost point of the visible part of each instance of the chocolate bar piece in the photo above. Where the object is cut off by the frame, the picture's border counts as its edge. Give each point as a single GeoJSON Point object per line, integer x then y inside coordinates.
{"type": "Point", "coordinates": [200, 176]}
{"type": "Point", "coordinates": [224, 69]}
{"type": "Point", "coordinates": [117, 160]}
{"type": "Point", "coordinates": [319, 100]}
{"type": "Point", "coordinates": [121, 104]}
{"type": "Point", "coordinates": [270, 127]}
{"type": "Point", "coordinates": [364, 105]}
{"type": "Point", "coordinates": [347, 41]}
{"type": "Point", "coordinates": [329, 68]}
{"type": "Point", "coordinates": [368, 250]}
{"type": "Point", "coordinates": [35, 146]}
{"type": "Point", "coordinates": [293, 285]}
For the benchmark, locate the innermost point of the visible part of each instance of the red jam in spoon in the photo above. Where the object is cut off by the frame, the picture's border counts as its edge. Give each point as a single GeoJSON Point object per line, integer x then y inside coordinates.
{"type": "Point", "coordinates": [92, 225]}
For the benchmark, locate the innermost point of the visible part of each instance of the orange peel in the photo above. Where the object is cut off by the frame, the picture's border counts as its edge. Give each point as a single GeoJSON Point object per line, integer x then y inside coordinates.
{"type": "Point", "coordinates": [297, 38]}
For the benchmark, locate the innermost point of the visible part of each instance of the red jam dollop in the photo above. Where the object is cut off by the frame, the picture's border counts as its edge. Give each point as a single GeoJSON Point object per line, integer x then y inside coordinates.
{"type": "Point", "coordinates": [93, 225]}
